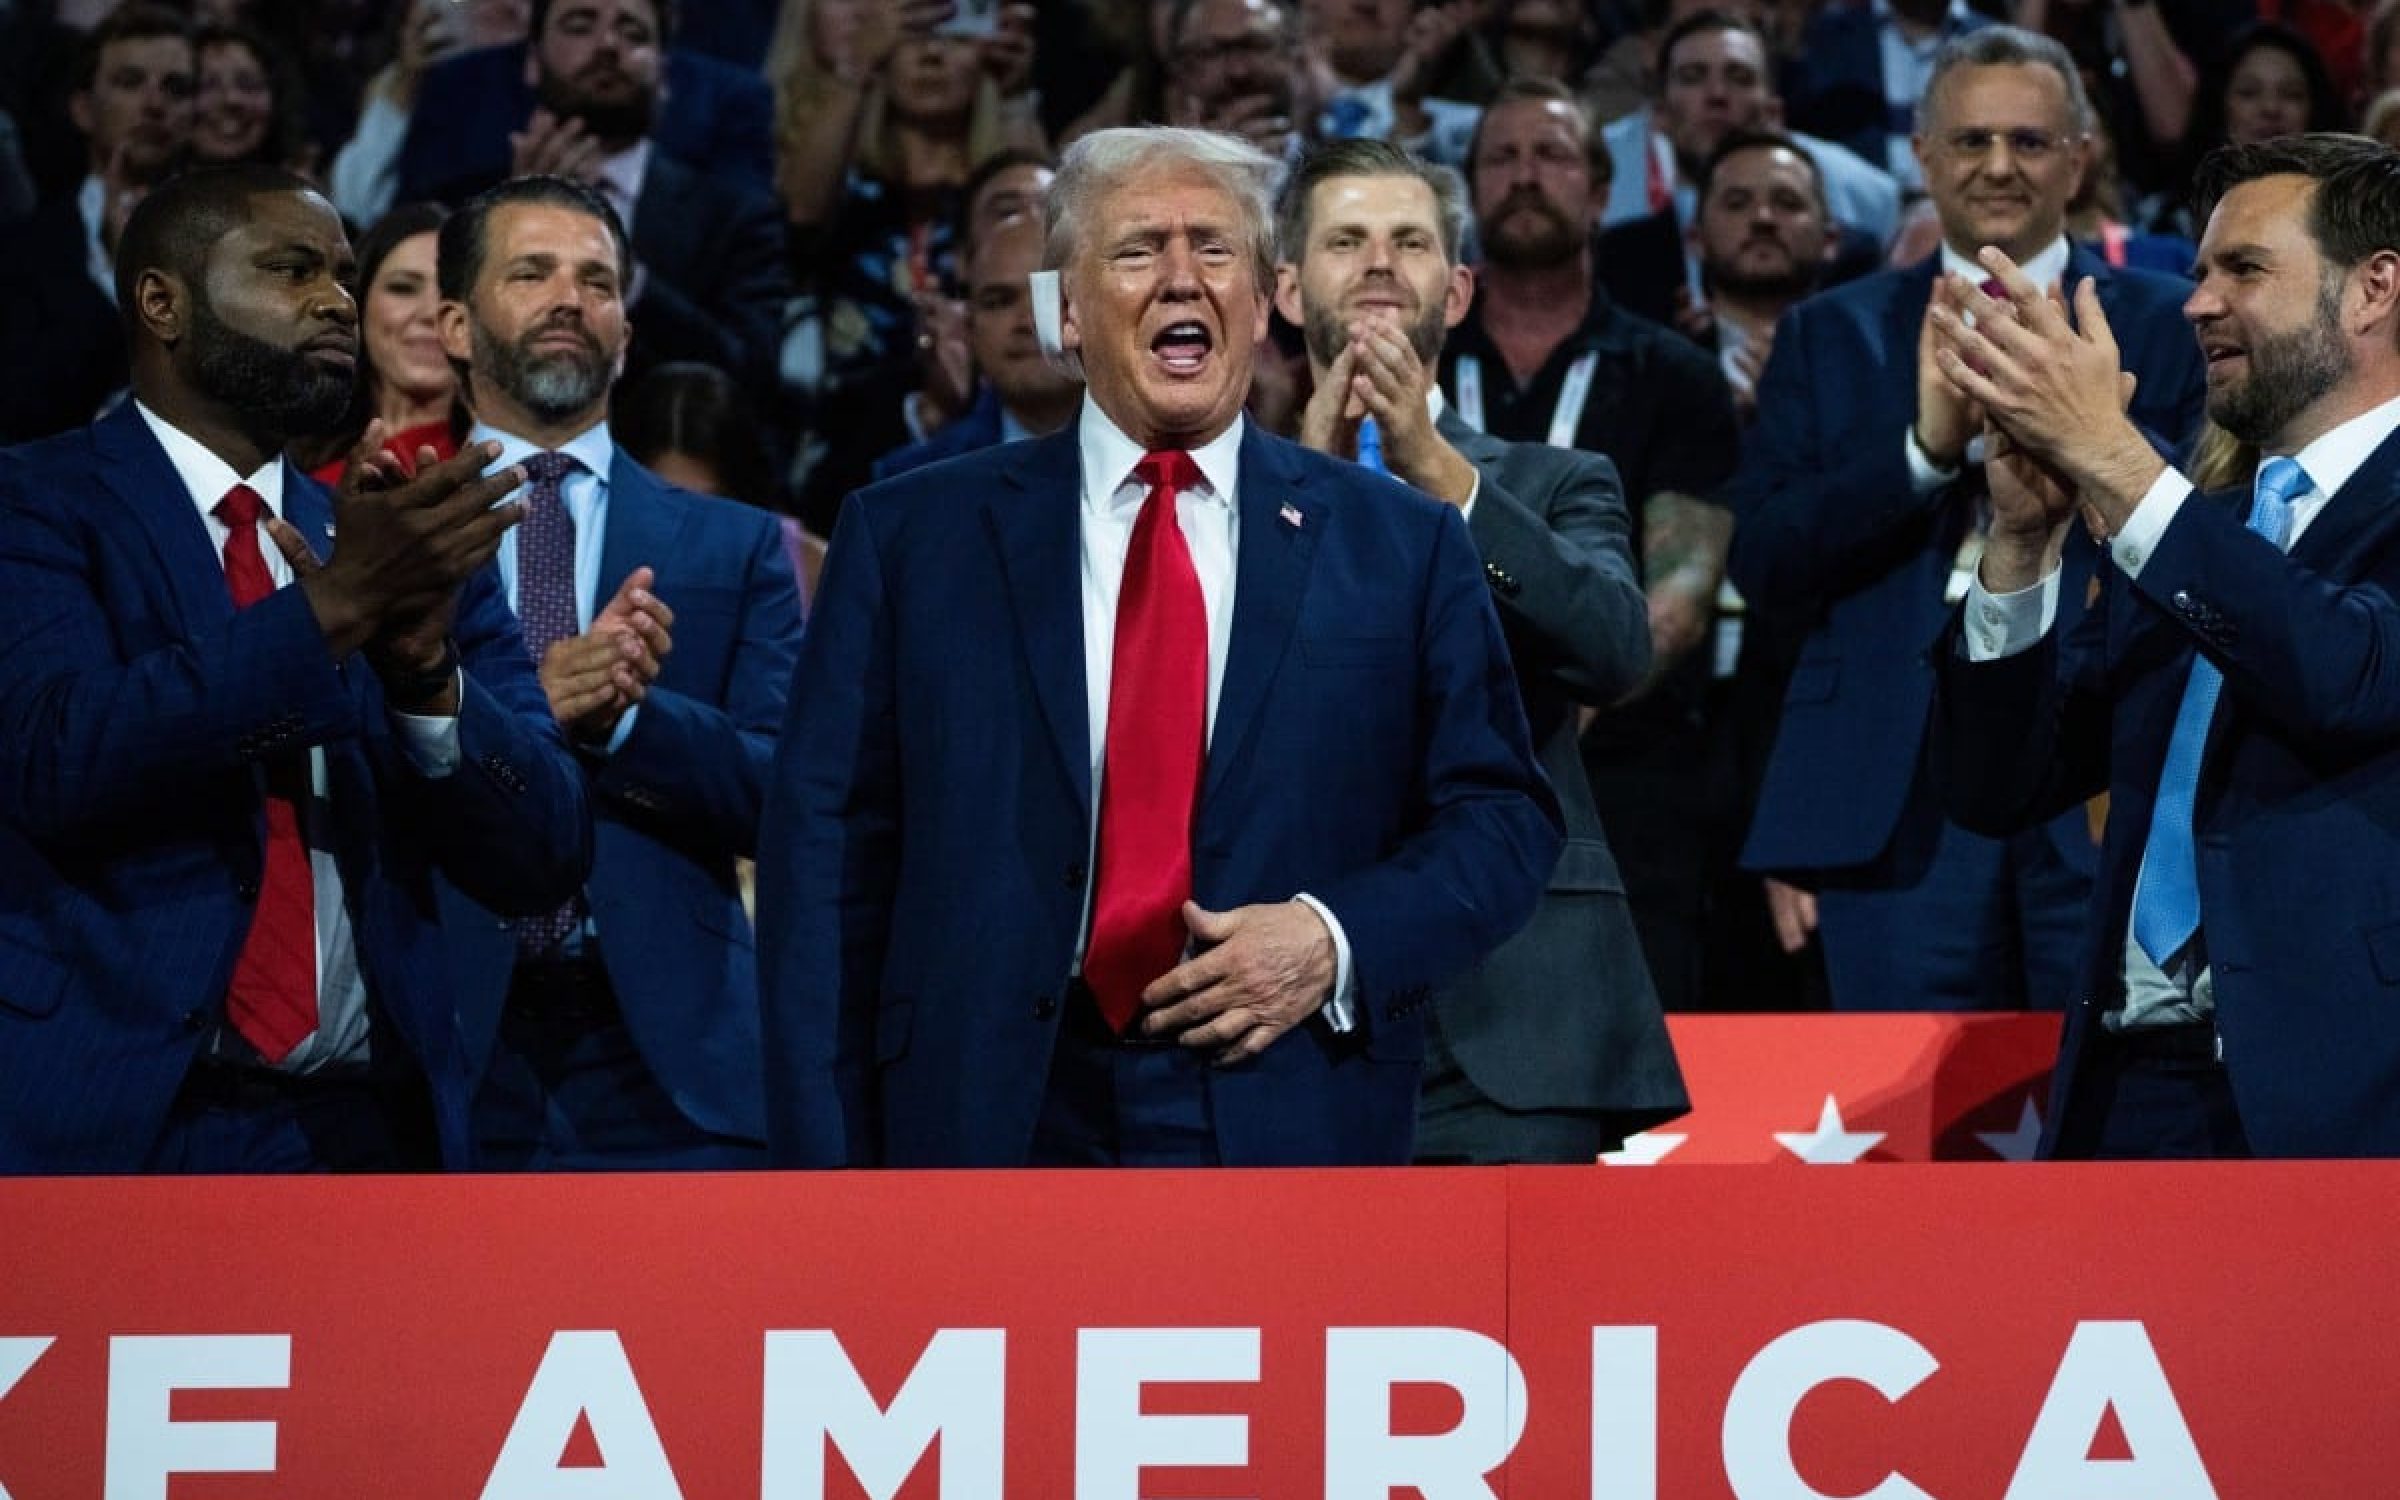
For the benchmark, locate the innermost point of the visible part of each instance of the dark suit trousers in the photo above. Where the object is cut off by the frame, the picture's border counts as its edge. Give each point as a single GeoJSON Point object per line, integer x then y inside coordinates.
{"type": "Point", "coordinates": [2155, 1096]}
{"type": "Point", "coordinates": [568, 1091]}
{"type": "Point", "coordinates": [234, 1119]}
{"type": "Point", "coordinates": [1112, 1102]}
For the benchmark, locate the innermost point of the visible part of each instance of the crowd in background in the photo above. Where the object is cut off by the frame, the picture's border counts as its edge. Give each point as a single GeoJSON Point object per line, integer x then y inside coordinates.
{"type": "Point", "coordinates": [833, 208]}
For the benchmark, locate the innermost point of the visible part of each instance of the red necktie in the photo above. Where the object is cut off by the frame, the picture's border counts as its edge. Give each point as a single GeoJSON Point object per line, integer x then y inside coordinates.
{"type": "Point", "coordinates": [273, 1001]}
{"type": "Point", "coordinates": [1157, 726]}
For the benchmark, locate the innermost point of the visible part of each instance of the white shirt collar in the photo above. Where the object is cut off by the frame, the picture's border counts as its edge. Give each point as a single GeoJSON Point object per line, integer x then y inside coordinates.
{"type": "Point", "coordinates": [592, 447]}
{"type": "Point", "coordinates": [1109, 456]}
{"type": "Point", "coordinates": [2047, 268]}
{"type": "Point", "coordinates": [2336, 455]}
{"type": "Point", "coordinates": [207, 477]}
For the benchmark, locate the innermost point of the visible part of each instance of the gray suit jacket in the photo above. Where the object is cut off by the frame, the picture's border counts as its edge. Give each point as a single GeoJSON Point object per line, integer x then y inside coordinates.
{"type": "Point", "coordinates": [1563, 1015]}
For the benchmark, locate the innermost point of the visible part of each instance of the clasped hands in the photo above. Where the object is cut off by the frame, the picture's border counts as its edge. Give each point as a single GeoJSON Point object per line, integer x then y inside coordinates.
{"type": "Point", "coordinates": [1378, 374]}
{"type": "Point", "coordinates": [2051, 395]}
{"type": "Point", "coordinates": [403, 544]}
{"type": "Point", "coordinates": [593, 678]}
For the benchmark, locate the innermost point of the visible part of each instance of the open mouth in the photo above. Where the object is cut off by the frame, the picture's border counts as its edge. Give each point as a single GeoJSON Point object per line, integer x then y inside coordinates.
{"type": "Point", "coordinates": [1182, 347]}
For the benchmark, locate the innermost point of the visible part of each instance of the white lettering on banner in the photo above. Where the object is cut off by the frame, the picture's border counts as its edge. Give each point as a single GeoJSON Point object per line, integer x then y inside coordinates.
{"type": "Point", "coordinates": [958, 1391]}
{"type": "Point", "coordinates": [1625, 1413]}
{"type": "Point", "coordinates": [1758, 1414]}
{"type": "Point", "coordinates": [145, 1444]}
{"type": "Point", "coordinates": [17, 1355]}
{"type": "Point", "coordinates": [1115, 1441]}
{"type": "Point", "coordinates": [584, 1376]}
{"type": "Point", "coordinates": [2110, 1364]}
{"type": "Point", "coordinates": [1366, 1460]}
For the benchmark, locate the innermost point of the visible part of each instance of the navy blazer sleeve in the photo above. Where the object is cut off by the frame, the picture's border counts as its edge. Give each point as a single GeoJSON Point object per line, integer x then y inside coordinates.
{"type": "Point", "coordinates": [701, 766]}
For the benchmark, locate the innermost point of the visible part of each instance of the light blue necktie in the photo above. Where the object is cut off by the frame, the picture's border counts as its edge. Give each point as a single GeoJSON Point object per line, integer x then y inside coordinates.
{"type": "Point", "coordinates": [2166, 904]}
{"type": "Point", "coordinates": [1370, 446]}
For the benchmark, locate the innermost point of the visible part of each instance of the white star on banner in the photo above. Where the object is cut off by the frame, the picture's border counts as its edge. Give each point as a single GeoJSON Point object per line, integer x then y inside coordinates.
{"type": "Point", "coordinates": [1831, 1143]}
{"type": "Point", "coordinates": [2016, 1144]}
{"type": "Point", "coordinates": [1644, 1148]}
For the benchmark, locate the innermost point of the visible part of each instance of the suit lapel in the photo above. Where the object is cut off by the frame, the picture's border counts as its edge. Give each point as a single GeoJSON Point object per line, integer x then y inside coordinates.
{"type": "Point", "coordinates": [643, 517]}
{"type": "Point", "coordinates": [1034, 516]}
{"type": "Point", "coordinates": [134, 468]}
{"type": "Point", "coordinates": [1280, 524]}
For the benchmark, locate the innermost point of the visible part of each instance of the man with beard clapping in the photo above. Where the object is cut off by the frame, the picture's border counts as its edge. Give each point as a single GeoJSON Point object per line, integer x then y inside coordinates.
{"type": "Point", "coordinates": [621, 1029]}
{"type": "Point", "coordinates": [235, 748]}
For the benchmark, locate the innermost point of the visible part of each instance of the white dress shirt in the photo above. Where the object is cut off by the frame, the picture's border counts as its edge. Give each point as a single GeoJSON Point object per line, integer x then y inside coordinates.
{"type": "Point", "coordinates": [1211, 524]}
{"type": "Point", "coordinates": [430, 743]}
{"type": "Point", "coordinates": [1999, 625]}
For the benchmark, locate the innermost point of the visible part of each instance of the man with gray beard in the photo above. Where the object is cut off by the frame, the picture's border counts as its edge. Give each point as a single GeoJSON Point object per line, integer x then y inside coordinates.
{"type": "Point", "coordinates": [620, 1031]}
{"type": "Point", "coordinates": [2232, 687]}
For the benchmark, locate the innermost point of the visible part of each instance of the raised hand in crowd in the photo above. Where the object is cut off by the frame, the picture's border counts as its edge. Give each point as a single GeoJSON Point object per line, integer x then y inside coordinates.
{"type": "Point", "coordinates": [855, 41]}
{"type": "Point", "coordinates": [1432, 32]}
{"type": "Point", "coordinates": [551, 146]}
{"type": "Point", "coordinates": [945, 361]}
{"type": "Point", "coordinates": [1007, 54]}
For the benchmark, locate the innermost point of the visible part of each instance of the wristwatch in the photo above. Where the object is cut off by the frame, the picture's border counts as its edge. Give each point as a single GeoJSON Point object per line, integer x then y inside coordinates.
{"type": "Point", "coordinates": [405, 691]}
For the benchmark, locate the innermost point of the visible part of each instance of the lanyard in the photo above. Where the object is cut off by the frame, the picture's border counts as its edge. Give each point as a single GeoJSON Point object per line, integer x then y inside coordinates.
{"type": "Point", "coordinates": [1573, 392]}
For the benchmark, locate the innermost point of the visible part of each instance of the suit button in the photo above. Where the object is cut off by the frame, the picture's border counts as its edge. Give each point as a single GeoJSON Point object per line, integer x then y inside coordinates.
{"type": "Point", "coordinates": [1074, 877]}
{"type": "Point", "coordinates": [246, 889]}
{"type": "Point", "coordinates": [1044, 1007]}
{"type": "Point", "coordinates": [2183, 600]}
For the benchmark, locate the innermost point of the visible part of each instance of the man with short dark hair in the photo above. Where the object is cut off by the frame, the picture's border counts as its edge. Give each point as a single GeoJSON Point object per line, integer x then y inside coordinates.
{"type": "Point", "coordinates": [1150, 774]}
{"type": "Point", "coordinates": [621, 1030]}
{"type": "Point", "coordinates": [708, 275]}
{"type": "Point", "coordinates": [1554, 1049]}
{"type": "Point", "coordinates": [232, 770]}
{"type": "Point", "coordinates": [1860, 506]}
{"type": "Point", "coordinates": [2232, 688]}
{"type": "Point", "coordinates": [1765, 240]}
{"type": "Point", "coordinates": [132, 104]}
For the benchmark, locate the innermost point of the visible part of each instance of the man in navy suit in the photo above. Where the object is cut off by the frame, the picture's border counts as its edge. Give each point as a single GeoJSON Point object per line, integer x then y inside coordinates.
{"type": "Point", "coordinates": [707, 278]}
{"type": "Point", "coordinates": [1858, 497]}
{"type": "Point", "coordinates": [232, 771]}
{"type": "Point", "coordinates": [1554, 1049]}
{"type": "Point", "coordinates": [622, 1032]}
{"type": "Point", "coordinates": [2234, 687]}
{"type": "Point", "coordinates": [1141, 781]}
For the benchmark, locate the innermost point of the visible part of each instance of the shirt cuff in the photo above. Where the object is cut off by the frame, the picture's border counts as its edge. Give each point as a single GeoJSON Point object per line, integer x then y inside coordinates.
{"type": "Point", "coordinates": [1341, 1007]}
{"type": "Point", "coordinates": [1924, 475]}
{"type": "Point", "coordinates": [430, 741]}
{"type": "Point", "coordinates": [1466, 510]}
{"type": "Point", "coordinates": [2002, 625]}
{"type": "Point", "coordinates": [2138, 537]}
{"type": "Point", "coordinates": [624, 729]}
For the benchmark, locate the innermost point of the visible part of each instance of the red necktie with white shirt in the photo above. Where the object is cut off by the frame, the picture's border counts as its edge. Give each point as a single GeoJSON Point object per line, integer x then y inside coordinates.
{"type": "Point", "coordinates": [1157, 729]}
{"type": "Point", "coordinates": [272, 1003]}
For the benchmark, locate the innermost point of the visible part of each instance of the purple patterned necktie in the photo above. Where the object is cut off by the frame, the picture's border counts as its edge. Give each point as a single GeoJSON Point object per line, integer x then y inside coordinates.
{"type": "Point", "coordinates": [546, 609]}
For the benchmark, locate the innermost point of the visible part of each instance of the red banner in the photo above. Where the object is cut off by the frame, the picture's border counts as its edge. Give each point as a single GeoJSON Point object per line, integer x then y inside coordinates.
{"type": "Point", "coordinates": [1860, 1087]}
{"type": "Point", "coordinates": [2041, 1333]}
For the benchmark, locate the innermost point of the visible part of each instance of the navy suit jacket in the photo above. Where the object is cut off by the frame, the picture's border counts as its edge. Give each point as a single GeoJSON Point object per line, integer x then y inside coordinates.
{"type": "Point", "coordinates": [677, 803]}
{"type": "Point", "coordinates": [2297, 805]}
{"type": "Point", "coordinates": [135, 706]}
{"type": "Point", "coordinates": [923, 871]}
{"type": "Point", "coordinates": [976, 427]}
{"type": "Point", "coordinates": [1828, 530]}
{"type": "Point", "coordinates": [714, 116]}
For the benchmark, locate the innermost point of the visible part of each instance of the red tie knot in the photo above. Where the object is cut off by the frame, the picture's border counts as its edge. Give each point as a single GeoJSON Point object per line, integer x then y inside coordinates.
{"type": "Point", "coordinates": [1169, 468]}
{"type": "Point", "coordinates": [240, 508]}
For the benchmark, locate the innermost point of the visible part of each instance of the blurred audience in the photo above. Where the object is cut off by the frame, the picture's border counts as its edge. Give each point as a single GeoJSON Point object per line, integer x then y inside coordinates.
{"type": "Point", "coordinates": [248, 105]}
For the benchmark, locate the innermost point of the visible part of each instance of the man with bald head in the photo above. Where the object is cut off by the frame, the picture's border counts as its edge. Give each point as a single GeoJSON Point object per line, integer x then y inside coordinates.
{"type": "Point", "coordinates": [1143, 780]}
{"type": "Point", "coordinates": [234, 751]}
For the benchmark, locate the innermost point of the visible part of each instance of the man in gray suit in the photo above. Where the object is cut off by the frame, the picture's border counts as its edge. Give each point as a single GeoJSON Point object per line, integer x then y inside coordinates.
{"type": "Point", "coordinates": [1554, 1049]}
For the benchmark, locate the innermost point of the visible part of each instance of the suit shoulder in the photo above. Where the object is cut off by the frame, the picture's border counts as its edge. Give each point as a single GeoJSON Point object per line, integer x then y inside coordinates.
{"type": "Point", "coordinates": [31, 471]}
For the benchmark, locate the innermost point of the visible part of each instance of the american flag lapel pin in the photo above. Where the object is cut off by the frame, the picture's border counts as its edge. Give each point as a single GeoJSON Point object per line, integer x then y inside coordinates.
{"type": "Point", "coordinates": [1289, 515]}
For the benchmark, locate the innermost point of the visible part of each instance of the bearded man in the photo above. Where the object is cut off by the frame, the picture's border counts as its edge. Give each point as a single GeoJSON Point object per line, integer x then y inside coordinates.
{"type": "Point", "coordinates": [621, 1030]}
{"type": "Point", "coordinates": [2232, 687]}
{"type": "Point", "coordinates": [231, 771]}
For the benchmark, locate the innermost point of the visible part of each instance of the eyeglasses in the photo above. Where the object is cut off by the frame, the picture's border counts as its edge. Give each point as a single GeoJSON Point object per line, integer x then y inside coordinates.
{"type": "Point", "coordinates": [1975, 143]}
